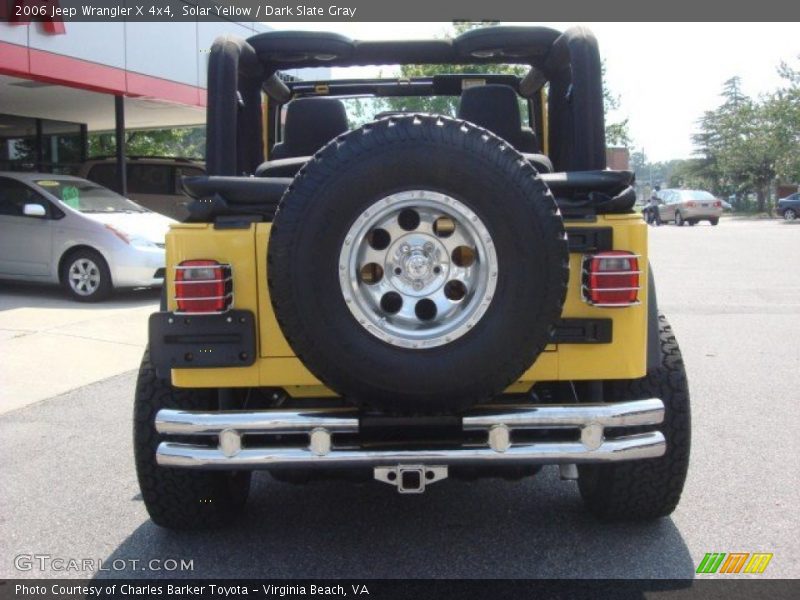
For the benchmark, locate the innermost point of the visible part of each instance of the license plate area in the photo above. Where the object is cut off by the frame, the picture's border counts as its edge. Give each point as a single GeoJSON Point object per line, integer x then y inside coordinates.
{"type": "Point", "coordinates": [202, 341]}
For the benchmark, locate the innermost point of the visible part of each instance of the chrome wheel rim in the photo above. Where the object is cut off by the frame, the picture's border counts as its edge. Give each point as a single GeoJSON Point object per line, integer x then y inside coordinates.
{"type": "Point", "coordinates": [790, 215]}
{"type": "Point", "coordinates": [418, 269]}
{"type": "Point", "coordinates": [84, 277]}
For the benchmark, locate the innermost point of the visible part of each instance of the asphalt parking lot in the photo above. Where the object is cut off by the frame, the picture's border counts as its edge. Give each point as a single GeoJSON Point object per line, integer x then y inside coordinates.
{"type": "Point", "coordinates": [732, 293]}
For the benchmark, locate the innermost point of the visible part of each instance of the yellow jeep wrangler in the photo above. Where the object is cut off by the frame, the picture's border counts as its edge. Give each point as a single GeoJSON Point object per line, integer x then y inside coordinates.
{"type": "Point", "coordinates": [408, 280]}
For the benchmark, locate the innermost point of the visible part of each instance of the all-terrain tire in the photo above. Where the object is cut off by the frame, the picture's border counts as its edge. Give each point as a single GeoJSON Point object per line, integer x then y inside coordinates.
{"type": "Point", "coordinates": [342, 183]}
{"type": "Point", "coordinates": [651, 488]}
{"type": "Point", "coordinates": [179, 498]}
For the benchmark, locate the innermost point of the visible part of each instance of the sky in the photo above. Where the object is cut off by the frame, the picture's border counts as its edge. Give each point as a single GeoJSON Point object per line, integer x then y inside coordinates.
{"type": "Point", "coordinates": [666, 74]}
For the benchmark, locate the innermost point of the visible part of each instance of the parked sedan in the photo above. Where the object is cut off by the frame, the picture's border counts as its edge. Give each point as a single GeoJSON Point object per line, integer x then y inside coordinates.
{"type": "Point", "coordinates": [61, 229]}
{"type": "Point", "coordinates": [688, 206]}
{"type": "Point", "coordinates": [789, 207]}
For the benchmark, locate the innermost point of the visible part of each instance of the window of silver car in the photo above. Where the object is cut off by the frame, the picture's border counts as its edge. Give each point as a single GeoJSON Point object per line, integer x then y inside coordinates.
{"type": "Point", "coordinates": [14, 195]}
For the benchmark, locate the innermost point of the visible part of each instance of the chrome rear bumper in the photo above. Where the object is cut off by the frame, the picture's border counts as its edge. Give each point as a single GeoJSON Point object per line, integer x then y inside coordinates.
{"type": "Point", "coordinates": [230, 431]}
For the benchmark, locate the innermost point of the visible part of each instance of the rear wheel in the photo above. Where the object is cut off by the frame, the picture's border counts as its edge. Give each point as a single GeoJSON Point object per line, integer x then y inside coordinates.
{"type": "Point", "coordinates": [180, 498]}
{"type": "Point", "coordinates": [714, 221]}
{"type": "Point", "coordinates": [693, 222]}
{"type": "Point", "coordinates": [646, 489]}
{"type": "Point", "coordinates": [789, 214]}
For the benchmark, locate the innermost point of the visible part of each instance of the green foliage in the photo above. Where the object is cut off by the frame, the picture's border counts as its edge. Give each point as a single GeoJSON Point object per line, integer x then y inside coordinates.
{"type": "Point", "coordinates": [745, 145]}
{"type": "Point", "coordinates": [187, 142]}
{"type": "Point", "coordinates": [743, 148]}
{"type": "Point", "coordinates": [783, 109]}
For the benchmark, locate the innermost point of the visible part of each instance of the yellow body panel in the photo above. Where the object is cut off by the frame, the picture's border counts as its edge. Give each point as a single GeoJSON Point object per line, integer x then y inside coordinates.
{"type": "Point", "coordinates": [276, 366]}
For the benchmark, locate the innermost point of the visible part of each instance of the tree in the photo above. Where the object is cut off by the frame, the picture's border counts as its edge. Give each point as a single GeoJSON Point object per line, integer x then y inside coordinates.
{"type": "Point", "coordinates": [732, 92]}
{"type": "Point", "coordinates": [739, 145]}
{"type": "Point", "coordinates": [188, 142]}
{"type": "Point", "coordinates": [743, 146]}
{"type": "Point", "coordinates": [783, 108]}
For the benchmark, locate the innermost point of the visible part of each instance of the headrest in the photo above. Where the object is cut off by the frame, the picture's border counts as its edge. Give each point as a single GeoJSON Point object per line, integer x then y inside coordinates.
{"type": "Point", "coordinates": [493, 107]}
{"type": "Point", "coordinates": [311, 123]}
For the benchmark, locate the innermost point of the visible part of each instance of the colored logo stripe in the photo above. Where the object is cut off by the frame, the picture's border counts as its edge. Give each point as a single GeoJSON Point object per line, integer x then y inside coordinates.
{"type": "Point", "coordinates": [716, 561]}
{"type": "Point", "coordinates": [734, 562]}
{"type": "Point", "coordinates": [758, 562]}
{"type": "Point", "coordinates": [711, 562]}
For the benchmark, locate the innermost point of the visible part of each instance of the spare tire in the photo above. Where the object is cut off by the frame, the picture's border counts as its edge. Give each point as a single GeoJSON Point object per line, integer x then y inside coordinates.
{"type": "Point", "coordinates": [417, 265]}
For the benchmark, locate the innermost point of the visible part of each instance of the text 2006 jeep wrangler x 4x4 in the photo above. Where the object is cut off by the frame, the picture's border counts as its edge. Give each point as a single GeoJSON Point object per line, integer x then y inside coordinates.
{"type": "Point", "coordinates": [414, 298]}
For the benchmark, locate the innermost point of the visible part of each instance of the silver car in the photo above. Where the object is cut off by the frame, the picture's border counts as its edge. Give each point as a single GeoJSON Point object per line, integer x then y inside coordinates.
{"type": "Point", "coordinates": [688, 206]}
{"type": "Point", "coordinates": [61, 229]}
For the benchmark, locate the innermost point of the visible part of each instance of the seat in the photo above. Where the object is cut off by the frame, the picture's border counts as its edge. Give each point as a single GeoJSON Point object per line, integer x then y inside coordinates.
{"type": "Point", "coordinates": [496, 108]}
{"type": "Point", "coordinates": [310, 124]}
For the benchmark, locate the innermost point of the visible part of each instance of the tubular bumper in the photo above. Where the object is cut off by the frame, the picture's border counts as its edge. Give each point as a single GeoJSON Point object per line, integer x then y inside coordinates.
{"type": "Point", "coordinates": [228, 429]}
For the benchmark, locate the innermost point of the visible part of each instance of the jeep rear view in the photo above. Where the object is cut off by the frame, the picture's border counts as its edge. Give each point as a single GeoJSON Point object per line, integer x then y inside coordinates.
{"type": "Point", "coordinates": [412, 297]}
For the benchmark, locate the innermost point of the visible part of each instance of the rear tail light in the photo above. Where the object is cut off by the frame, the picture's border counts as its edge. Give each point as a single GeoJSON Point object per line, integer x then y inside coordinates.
{"type": "Point", "coordinates": [611, 279]}
{"type": "Point", "coordinates": [691, 204]}
{"type": "Point", "coordinates": [203, 286]}
{"type": "Point", "coordinates": [717, 204]}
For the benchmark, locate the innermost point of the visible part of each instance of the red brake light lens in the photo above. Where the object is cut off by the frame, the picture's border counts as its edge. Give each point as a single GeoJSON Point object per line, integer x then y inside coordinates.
{"type": "Point", "coordinates": [691, 204]}
{"type": "Point", "coordinates": [203, 286]}
{"type": "Point", "coordinates": [718, 204]}
{"type": "Point", "coordinates": [611, 279]}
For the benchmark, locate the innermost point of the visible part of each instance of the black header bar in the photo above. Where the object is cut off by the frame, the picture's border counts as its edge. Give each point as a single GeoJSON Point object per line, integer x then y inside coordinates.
{"type": "Point", "coordinates": [572, 11]}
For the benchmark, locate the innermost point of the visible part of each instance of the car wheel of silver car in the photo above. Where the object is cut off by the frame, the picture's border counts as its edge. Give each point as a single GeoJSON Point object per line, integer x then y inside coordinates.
{"type": "Point", "coordinates": [789, 214]}
{"type": "Point", "coordinates": [86, 276]}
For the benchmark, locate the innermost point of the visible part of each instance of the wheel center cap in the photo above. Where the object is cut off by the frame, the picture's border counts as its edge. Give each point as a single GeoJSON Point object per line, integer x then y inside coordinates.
{"type": "Point", "coordinates": [418, 266]}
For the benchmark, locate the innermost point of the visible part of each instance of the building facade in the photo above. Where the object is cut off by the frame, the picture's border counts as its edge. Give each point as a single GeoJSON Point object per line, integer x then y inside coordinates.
{"type": "Point", "coordinates": [60, 81]}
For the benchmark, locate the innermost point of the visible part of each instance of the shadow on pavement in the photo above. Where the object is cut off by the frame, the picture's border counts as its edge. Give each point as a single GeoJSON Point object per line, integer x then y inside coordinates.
{"type": "Point", "coordinates": [486, 529]}
{"type": "Point", "coordinates": [38, 295]}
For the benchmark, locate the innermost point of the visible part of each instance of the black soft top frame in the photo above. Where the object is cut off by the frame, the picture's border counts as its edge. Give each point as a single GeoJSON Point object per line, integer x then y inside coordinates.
{"type": "Point", "coordinates": [297, 49]}
{"type": "Point", "coordinates": [239, 70]}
